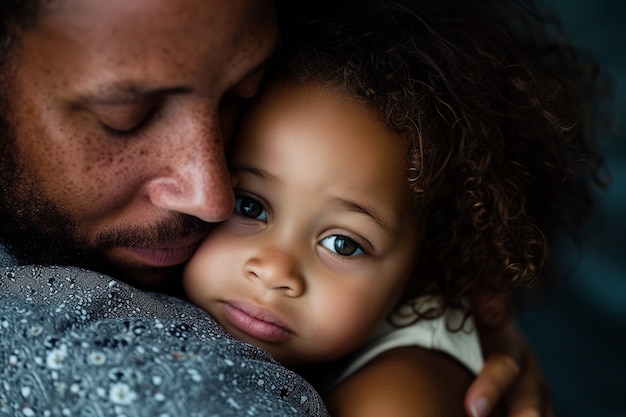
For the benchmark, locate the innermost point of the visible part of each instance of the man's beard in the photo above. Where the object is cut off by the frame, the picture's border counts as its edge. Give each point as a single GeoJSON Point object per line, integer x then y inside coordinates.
{"type": "Point", "coordinates": [35, 230]}
{"type": "Point", "coordinates": [23, 213]}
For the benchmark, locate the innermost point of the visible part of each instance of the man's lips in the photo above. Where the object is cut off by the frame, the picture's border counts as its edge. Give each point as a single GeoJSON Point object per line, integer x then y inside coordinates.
{"type": "Point", "coordinates": [256, 322]}
{"type": "Point", "coordinates": [165, 255]}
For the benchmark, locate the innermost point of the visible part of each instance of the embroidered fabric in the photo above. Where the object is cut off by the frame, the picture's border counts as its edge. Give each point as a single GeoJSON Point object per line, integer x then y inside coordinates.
{"type": "Point", "coordinates": [77, 343]}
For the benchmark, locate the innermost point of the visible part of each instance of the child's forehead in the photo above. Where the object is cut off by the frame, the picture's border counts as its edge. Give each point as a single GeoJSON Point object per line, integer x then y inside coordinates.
{"type": "Point", "coordinates": [323, 119]}
{"type": "Point", "coordinates": [323, 139]}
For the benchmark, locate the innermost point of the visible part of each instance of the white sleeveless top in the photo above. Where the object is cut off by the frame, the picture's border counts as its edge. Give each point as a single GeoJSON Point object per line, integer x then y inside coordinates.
{"type": "Point", "coordinates": [462, 344]}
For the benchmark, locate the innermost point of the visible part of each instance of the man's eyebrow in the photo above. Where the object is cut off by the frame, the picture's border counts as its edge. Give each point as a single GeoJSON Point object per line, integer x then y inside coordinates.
{"type": "Point", "coordinates": [264, 64]}
{"type": "Point", "coordinates": [385, 224]}
{"type": "Point", "coordinates": [126, 92]}
{"type": "Point", "coordinates": [129, 92]}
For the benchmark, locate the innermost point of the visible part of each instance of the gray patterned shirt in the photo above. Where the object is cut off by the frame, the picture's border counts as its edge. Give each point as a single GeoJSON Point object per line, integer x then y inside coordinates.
{"type": "Point", "coordinates": [77, 343]}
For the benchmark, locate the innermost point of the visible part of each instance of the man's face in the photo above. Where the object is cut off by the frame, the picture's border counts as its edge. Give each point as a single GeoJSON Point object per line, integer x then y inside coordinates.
{"type": "Point", "coordinates": [119, 112]}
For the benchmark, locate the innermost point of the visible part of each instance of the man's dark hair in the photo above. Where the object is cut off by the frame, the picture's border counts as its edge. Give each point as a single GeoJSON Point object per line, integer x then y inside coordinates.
{"type": "Point", "coordinates": [15, 16]}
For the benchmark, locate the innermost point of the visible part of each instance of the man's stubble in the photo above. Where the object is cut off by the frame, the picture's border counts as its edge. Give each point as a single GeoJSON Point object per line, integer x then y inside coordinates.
{"type": "Point", "coordinates": [36, 230]}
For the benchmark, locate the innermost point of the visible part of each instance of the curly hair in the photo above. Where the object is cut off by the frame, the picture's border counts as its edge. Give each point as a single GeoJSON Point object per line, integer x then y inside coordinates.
{"type": "Point", "coordinates": [497, 113]}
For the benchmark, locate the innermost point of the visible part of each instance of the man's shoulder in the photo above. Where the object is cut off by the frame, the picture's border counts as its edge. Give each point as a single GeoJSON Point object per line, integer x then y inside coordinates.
{"type": "Point", "coordinates": [73, 340]}
{"type": "Point", "coordinates": [6, 259]}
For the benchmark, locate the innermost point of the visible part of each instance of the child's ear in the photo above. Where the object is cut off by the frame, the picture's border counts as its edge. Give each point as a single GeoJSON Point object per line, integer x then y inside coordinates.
{"type": "Point", "coordinates": [491, 302]}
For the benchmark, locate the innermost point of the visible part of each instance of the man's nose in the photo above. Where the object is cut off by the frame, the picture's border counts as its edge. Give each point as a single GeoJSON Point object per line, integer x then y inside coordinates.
{"type": "Point", "coordinates": [276, 269]}
{"type": "Point", "coordinates": [194, 179]}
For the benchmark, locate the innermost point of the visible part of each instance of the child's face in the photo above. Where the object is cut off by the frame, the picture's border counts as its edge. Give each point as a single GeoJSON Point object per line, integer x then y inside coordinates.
{"type": "Point", "coordinates": [324, 235]}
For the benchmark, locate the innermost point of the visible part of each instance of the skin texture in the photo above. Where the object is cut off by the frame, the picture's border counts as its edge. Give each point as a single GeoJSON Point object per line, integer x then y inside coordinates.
{"type": "Point", "coordinates": [315, 169]}
{"type": "Point", "coordinates": [122, 111]}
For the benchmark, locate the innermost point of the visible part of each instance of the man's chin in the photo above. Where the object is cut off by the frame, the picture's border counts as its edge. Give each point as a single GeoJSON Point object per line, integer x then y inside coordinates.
{"type": "Point", "coordinates": [154, 279]}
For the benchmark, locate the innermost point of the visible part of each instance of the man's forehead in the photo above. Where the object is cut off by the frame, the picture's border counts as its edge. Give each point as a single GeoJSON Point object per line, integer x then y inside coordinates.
{"type": "Point", "coordinates": [119, 43]}
{"type": "Point", "coordinates": [169, 23]}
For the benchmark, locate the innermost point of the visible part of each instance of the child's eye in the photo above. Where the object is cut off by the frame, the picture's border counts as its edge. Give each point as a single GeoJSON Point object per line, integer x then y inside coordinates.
{"type": "Point", "coordinates": [250, 208]}
{"type": "Point", "coordinates": [342, 245]}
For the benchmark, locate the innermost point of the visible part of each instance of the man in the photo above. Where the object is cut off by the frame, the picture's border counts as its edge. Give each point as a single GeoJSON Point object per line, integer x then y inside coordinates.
{"type": "Point", "coordinates": [120, 112]}
{"type": "Point", "coordinates": [114, 118]}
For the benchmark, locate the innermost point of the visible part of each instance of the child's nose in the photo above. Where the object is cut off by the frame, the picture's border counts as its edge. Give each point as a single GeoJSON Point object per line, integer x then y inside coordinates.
{"type": "Point", "coordinates": [277, 270]}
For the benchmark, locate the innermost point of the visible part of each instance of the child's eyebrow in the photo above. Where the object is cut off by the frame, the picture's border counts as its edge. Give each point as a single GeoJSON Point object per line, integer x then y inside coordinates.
{"type": "Point", "coordinates": [388, 225]}
{"type": "Point", "coordinates": [385, 224]}
{"type": "Point", "coordinates": [254, 170]}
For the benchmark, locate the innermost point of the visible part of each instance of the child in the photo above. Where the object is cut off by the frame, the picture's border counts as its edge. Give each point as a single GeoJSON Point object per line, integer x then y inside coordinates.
{"type": "Point", "coordinates": [402, 152]}
{"type": "Point", "coordinates": [325, 234]}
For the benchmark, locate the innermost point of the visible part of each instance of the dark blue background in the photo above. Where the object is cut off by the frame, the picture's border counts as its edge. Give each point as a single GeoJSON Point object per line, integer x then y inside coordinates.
{"type": "Point", "coordinates": [578, 330]}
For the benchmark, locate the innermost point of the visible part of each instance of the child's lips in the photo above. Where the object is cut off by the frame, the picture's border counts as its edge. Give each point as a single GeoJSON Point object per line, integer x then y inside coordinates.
{"type": "Point", "coordinates": [257, 322]}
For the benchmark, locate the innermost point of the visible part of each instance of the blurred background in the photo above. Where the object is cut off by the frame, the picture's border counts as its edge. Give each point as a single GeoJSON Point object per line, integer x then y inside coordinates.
{"type": "Point", "coordinates": [578, 331]}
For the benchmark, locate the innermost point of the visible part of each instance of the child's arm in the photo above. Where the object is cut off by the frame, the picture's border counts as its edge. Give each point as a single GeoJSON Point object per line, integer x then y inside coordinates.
{"type": "Point", "coordinates": [408, 381]}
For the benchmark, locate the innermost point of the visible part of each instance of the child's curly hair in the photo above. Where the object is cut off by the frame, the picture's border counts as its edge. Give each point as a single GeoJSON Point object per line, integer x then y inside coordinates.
{"type": "Point", "coordinates": [498, 120]}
